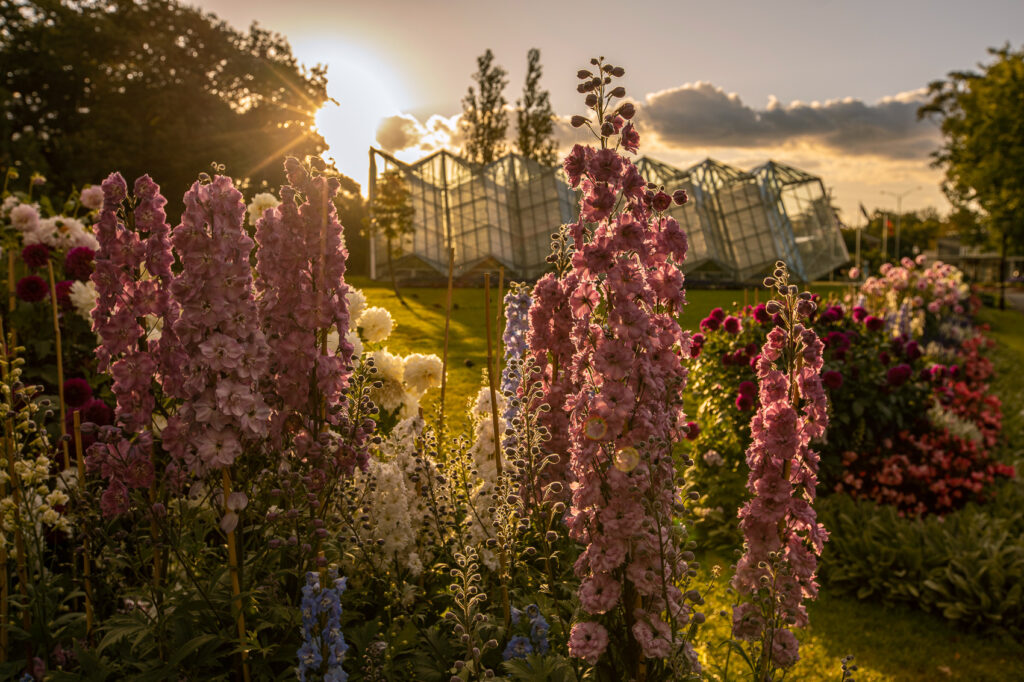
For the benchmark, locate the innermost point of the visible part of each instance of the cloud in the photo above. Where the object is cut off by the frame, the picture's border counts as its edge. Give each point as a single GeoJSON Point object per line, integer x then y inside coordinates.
{"type": "Point", "coordinates": [704, 115]}
{"type": "Point", "coordinates": [405, 133]}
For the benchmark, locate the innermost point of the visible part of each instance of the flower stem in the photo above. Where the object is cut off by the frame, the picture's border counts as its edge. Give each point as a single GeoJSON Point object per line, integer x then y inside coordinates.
{"type": "Point", "coordinates": [236, 586]}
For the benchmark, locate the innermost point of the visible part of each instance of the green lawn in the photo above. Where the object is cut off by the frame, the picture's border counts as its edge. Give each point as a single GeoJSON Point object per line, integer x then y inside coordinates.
{"type": "Point", "coordinates": [890, 643]}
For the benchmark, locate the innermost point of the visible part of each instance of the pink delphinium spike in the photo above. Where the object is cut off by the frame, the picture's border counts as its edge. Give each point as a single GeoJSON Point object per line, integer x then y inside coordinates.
{"type": "Point", "coordinates": [782, 536]}
{"type": "Point", "coordinates": [624, 354]}
{"type": "Point", "coordinates": [217, 335]}
{"type": "Point", "coordinates": [301, 294]}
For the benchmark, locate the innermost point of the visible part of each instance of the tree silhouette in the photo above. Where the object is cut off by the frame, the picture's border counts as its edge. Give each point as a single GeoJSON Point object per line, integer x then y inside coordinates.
{"type": "Point", "coordinates": [391, 216]}
{"type": "Point", "coordinates": [149, 86]}
{"type": "Point", "coordinates": [983, 154]}
{"type": "Point", "coordinates": [484, 118]}
{"type": "Point", "coordinates": [534, 118]}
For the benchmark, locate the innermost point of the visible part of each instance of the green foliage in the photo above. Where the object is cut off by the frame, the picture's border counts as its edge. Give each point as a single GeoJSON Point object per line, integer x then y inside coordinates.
{"type": "Point", "coordinates": [152, 86]}
{"type": "Point", "coordinates": [967, 566]}
{"type": "Point", "coordinates": [484, 119]}
{"type": "Point", "coordinates": [983, 152]}
{"type": "Point", "coordinates": [534, 117]}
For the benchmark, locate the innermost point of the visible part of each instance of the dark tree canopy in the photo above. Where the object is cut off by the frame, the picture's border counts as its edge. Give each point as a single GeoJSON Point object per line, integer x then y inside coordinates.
{"type": "Point", "coordinates": [149, 86]}
{"type": "Point", "coordinates": [484, 118]}
{"type": "Point", "coordinates": [982, 118]}
{"type": "Point", "coordinates": [534, 117]}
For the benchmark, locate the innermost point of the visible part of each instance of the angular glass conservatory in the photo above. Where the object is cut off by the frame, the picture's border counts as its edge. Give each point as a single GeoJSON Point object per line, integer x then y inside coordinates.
{"type": "Point", "coordinates": [504, 213]}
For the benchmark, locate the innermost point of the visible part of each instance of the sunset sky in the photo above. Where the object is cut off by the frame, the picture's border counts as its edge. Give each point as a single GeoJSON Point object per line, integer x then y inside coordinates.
{"type": "Point", "coordinates": [828, 86]}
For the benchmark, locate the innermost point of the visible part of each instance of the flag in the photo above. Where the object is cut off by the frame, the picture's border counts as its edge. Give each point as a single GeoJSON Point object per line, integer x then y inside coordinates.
{"type": "Point", "coordinates": [888, 224]}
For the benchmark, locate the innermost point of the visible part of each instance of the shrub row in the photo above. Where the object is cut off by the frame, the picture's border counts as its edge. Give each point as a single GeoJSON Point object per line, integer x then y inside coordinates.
{"type": "Point", "coordinates": [967, 566]}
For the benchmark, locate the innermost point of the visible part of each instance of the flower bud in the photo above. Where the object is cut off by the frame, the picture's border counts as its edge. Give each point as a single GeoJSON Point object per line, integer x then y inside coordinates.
{"type": "Point", "coordinates": [607, 129]}
{"type": "Point", "coordinates": [583, 73]}
{"type": "Point", "coordinates": [679, 197]}
{"type": "Point", "coordinates": [661, 201]}
{"type": "Point", "coordinates": [627, 110]}
{"type": "Point", "coordinates": [618, 92]}
{"type": "Point", "coordinates": [591, 100]}
{"type": "Point", "coordinates": [773, 307]}
{"type": "Point", "coordinates": [578, 121]}
{"type": "Point", "coordinates": [618, 72]}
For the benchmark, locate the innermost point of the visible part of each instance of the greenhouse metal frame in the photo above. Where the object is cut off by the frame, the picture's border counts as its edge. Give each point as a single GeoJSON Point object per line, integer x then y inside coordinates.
{"type": "Point", "coordinates": [503, 214]}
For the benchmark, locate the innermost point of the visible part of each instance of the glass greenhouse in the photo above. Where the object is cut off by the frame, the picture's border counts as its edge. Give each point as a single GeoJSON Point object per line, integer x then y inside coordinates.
{"type": "Point", "coordinates": [503, 214]}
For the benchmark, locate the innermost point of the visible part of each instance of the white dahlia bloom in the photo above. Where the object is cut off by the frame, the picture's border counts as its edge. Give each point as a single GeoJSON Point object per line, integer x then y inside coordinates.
{"type": "Point", "coordinates": [376, 324]}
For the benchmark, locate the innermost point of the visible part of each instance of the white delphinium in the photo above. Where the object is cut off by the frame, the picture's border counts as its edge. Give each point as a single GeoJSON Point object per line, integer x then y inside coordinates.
{"type": "Point", "coordinates": [422, 372]}
{"type": "Point", "coordinates": [356, 300]}
{"type": "Point", "coordinates": [482, 451]}
{"type": "Point", "coordinates": [390, 372]}
{"type": "Point", "coordinates": [376, 324]}
{"type": "Point", "coordinates": [389, 509]}
{"type": "Point", "coordinates": [260, 203]}
{"type": "Point", "coordinates": [83, 297]}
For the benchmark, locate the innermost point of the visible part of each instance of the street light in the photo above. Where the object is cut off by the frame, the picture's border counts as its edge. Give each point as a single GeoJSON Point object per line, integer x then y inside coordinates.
{"type": "Point", "coordinates": [899, 214]}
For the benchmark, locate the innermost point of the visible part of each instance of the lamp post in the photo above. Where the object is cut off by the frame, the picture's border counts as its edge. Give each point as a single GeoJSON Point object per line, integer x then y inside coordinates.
{"type": "Point", "coordinates": [899, 214]}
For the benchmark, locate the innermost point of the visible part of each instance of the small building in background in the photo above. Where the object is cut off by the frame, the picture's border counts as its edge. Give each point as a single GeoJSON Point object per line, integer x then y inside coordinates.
{"type": "Point", "coordinates": [503, 214]}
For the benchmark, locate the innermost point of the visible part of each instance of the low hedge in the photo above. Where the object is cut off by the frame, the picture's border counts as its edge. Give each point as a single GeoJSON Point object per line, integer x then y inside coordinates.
{"type": "Point", "coordinates": [967, 566]}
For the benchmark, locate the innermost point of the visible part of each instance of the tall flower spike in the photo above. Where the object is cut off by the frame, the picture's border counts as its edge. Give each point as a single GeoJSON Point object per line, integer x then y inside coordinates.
{"type": "Point", "coordinates": [222, 350]}
{"type": "Point", "coordinates": [782, 536]}
{"type": "Point", "coordinates": [302, 295]}
{"type": "Point", "coordinates": [625, 354]}
{"type": "Point", "coordinates": [132, 276]}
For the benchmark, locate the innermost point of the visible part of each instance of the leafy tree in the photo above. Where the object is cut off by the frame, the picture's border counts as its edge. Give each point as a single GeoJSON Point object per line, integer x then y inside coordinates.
{"type": "Point", "coordinates": [484, 119]}
{"type": "Point", "coordinates": [534, 116]}
{"type": "Point", "coordinates": [92, 86]}
{"type": "Point", "coordinates": [354, 214]}
{"type": "Point", "coordinates": [391, 215]}
{"type": "Point", "coordinates": [982, 119]}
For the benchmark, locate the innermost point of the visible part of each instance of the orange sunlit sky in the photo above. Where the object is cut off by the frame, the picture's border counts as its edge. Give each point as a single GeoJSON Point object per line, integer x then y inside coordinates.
{"type": "Point", "coordinates": [830, 87]}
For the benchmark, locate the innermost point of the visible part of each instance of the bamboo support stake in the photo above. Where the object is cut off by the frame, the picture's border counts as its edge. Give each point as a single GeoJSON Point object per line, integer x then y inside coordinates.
{"type": "Point", "coordinates": [236, 583]}
{"type": "Point", "coordinates": [60, 365]}
{"type": "Point", "coordinates": [498, 317]}
{"type": "Point", "coordinates": [444, 358]}
{"type": "Point", "coordinates": [86, 560]}
{"type": "Point", "coordinates": [490, 374]}
{"type": "Point", "coordinates": [12, 301]}
{"type": "Point", "coordinates": [506, 606]}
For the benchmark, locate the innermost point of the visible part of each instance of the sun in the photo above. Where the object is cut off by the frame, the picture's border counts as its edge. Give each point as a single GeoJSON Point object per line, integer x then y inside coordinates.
{"type": "Point", "coordinates": [366, 90]}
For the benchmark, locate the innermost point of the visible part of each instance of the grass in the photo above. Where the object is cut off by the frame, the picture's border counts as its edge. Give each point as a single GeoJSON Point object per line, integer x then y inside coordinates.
{"type": "Point", "coordinates": [890, 642]}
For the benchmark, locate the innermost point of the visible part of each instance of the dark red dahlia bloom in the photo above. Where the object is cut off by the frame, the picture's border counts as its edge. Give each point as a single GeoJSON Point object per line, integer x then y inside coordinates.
{"type": "Point", "coordinates": [78, 264]}
{"type": "Point", "coordinates": [898, 375]}
{"type": "Point", "coordinates": [76, 392]}
{"type": "Point", "coordinates": [35, 255]}
{"type": "Point", "coordinates": [63, 290]}
{"type": "Point", "coordinates": [31, 289]}
{"type": "Point", "coordinates": [832, 379]}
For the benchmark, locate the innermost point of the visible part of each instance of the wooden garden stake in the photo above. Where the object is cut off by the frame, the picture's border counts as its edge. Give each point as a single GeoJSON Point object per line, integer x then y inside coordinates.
{"type": "Point", "coordinates": [506, 607]}
{"type": "Point", "coordinates": [501, 313]}
{"type": "Point", "coordinates": [444, 358]}
{"type": "Point", "coordinates": [60, 365]}
{"type": "Point", "coordinates": [490, 373]}
{"type": "Point", "coordinates": [236, 583]}
{"type": "Point", "coordinates": [86, 562]}
{"type": "Point", "coordinates": [12, 301]}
